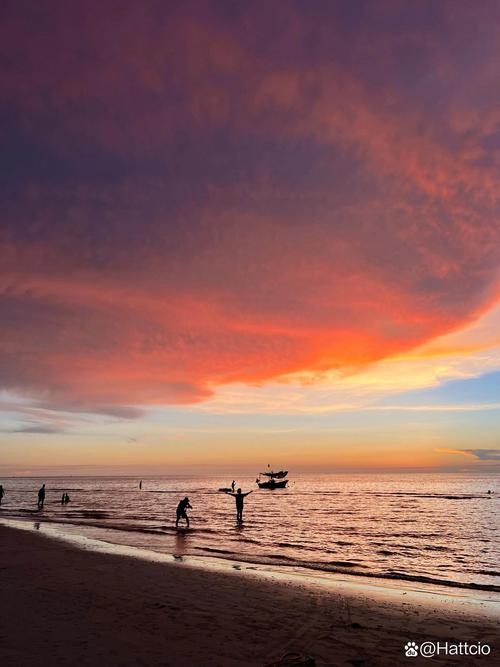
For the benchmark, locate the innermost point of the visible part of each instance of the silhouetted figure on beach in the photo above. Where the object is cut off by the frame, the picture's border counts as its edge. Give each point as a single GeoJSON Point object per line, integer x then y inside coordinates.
{"type": "Point", "coordinates": [41, 497]}
{"type": "Point", "coordinates": [239, 497]}
{"type": "Point", "coordinates": [2, 493]}
{"type": "Point", "coordinates": [66, 499]}
{"type": "Point", "coordinates": [63, 499]}
{"type": "Point", "coordinates": [233, 484]}
{"type": "Point", "coordinates": [140, 485]}
{"type": "Point", "coordinates": [181, 511]}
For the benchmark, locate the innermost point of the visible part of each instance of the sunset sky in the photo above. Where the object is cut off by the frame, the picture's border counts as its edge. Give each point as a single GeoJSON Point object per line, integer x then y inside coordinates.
{"type": "Point", "coordinates": [249, 232]}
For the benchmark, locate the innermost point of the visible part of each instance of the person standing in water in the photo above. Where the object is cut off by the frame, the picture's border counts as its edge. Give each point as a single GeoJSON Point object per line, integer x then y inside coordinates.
{"type": "Point", "coordinates": [41, 497]}
{"type": "Point", "coordinates": [239, 497]}
{"type": "Point", "coordinates": [2, 493]}
{"type": "Point", "coordinates": [140, 485]}
{"type": "Point", "coordinates": [181, 511]}
{"type": "Point", "coordinates": [233, 484]}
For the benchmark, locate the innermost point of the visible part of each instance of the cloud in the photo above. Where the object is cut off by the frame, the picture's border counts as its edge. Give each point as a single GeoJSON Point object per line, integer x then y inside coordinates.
{"type": "Point", "coordinates": [481, 454]}
{"type": "Point", "coordinates": [485, 454]}
{"type": "Point", "coordinates": [28, 416]}
{"type": "Point", "coordinates": [446, 450]}
{"type": "Point", "coordinates": [203, 200]}
{"type": "Point", "coordinates": [454, 372]}
{"type": "Point", "coordinates": [40, 429]}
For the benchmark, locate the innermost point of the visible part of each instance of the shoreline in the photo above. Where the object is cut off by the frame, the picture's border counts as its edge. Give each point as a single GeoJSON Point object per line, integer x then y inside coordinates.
{"type": "Point", "coordinates": [412, 584]}
{"type": "Point", "coordinates": [64, 600]}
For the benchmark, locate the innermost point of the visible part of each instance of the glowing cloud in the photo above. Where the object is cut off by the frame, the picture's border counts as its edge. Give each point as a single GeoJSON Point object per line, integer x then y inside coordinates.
{"type": "Point", "coordinates": [192, 202]}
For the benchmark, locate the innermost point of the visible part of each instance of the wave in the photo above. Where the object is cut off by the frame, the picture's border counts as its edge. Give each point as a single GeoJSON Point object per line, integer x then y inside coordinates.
{"type": "Point", "coordinates": [344, 563]}
{"type": "Point", "coordinates": [93, 514]}
{"type": "Point", "coordinates": [290, 545]}
{"type": "Point", "coordinates": [399, 576]}
{"type": "Point", "coordinates": [217, 551]}
{"type": "Point", "coordinates": [440, 582]}
{"type": "Point", "coordinates": [127, 528]}
{"type": "Point", "coordinates": [356, 569]}
{"type": "Point", "coordinates": [399, 494]}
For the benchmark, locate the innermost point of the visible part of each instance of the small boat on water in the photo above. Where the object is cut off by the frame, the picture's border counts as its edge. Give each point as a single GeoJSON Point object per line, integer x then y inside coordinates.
{"type": "Point", "coordinates": [275, 480]}
{"type": "Point", "coordinates": [273, 484]}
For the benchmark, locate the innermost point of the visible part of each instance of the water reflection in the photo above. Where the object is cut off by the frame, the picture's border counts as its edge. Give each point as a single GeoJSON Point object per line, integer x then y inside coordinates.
{"type": "Point", "coordinates": [180, 544]}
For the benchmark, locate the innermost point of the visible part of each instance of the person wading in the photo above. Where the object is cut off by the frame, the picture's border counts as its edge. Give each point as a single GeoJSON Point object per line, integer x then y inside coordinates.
{"type": "Point", "coordinates": [239, 497]}
{"type": "Point", "coordinates": [41, 497]}
{"type": "Point", "coordinates": [181, 511]}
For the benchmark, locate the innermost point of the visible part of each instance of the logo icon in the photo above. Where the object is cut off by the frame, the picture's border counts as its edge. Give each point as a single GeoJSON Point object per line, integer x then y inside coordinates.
{"type": "Point", "coordinates": [411, 650]}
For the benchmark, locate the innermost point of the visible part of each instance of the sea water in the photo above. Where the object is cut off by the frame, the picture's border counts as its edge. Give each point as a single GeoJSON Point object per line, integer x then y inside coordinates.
{"type": "Point", "coordinates": [438, 528]}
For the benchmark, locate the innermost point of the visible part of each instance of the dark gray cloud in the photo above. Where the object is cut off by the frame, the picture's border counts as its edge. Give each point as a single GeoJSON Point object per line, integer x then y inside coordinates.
{"type": "Point", "coordinates": [42, 429]}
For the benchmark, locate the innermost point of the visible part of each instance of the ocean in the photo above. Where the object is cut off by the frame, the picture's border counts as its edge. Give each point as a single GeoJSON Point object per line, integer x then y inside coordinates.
{"type": "Point", "coordinates": [436, 528]}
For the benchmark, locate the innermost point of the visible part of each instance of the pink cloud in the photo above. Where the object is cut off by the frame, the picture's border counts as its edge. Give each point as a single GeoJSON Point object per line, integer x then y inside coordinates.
{"type": "Point", "coordinates": [200, 199]}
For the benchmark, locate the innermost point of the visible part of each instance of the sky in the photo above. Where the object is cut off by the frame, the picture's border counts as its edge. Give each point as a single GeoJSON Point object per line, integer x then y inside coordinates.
{"type": "Point", "coordinates": [250, 232]}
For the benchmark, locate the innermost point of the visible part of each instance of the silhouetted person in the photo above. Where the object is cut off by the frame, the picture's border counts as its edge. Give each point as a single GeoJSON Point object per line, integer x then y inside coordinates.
{"type": "Point", "coordinates": [2, 493]}
{"type": "Point", "coordinates": [66, 499]}
{"type": "Point", "coordinates": [181, 511]}
{"type": "Point", "coordinates": [63, 499]}
{"type": "Point", "coordinates": [239, 497]}
{"type": "Point", "coordinates": [41, 497]}
{"type": "Point", "coordinates": [233, 484]}
{"type": "Point", "coordinates": [140, 485]}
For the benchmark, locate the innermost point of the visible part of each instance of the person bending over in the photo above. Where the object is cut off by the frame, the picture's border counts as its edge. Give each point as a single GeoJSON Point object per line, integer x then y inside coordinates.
{"type": "Point", "coordinates": [181, 511]}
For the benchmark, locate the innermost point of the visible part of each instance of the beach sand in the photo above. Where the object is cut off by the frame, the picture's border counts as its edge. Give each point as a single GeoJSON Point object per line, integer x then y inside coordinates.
{"type": "Point", "coordinates": [62, 605]}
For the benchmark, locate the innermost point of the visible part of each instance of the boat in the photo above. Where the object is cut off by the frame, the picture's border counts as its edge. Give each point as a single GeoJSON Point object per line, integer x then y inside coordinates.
{"type": "Point", "coordinates": [275, 480]}
{"type": "Point", "coordinates": [276, 475]}
{"type": "Point", "coordinates": [272, 484]}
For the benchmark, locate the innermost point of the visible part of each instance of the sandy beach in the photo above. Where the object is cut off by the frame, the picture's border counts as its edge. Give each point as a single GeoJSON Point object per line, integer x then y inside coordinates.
{"type": "Point", "coordinates": [62, 605]}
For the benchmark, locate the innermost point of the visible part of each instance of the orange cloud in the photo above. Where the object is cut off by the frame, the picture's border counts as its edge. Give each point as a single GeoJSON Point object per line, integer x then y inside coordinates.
{"type": "Point", "coordinates": [203, 199]}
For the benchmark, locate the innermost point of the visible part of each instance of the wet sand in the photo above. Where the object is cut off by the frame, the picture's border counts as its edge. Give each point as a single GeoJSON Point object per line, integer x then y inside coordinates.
{"type": "Point", "coordinates": [62, 605]}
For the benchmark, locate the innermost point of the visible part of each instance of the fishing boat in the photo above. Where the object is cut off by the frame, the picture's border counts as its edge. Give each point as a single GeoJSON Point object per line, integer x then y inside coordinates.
{"type": "Point", "coordinates": [272, 484]}
{"type": "Point", "coordinates": [275, 480]}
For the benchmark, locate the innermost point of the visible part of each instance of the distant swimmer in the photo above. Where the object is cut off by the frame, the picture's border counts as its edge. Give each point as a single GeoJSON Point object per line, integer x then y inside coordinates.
{"type": "Point", "coordinates": [233, 484]}
{"type": "Point", "coordinates": [181, 511]}
{"type": "Point", "coordinates": [41, 497]}
{"type": "Point", "coordinates": [2, 493]}
{"type": "Point", "coordinates": [239, 497]}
